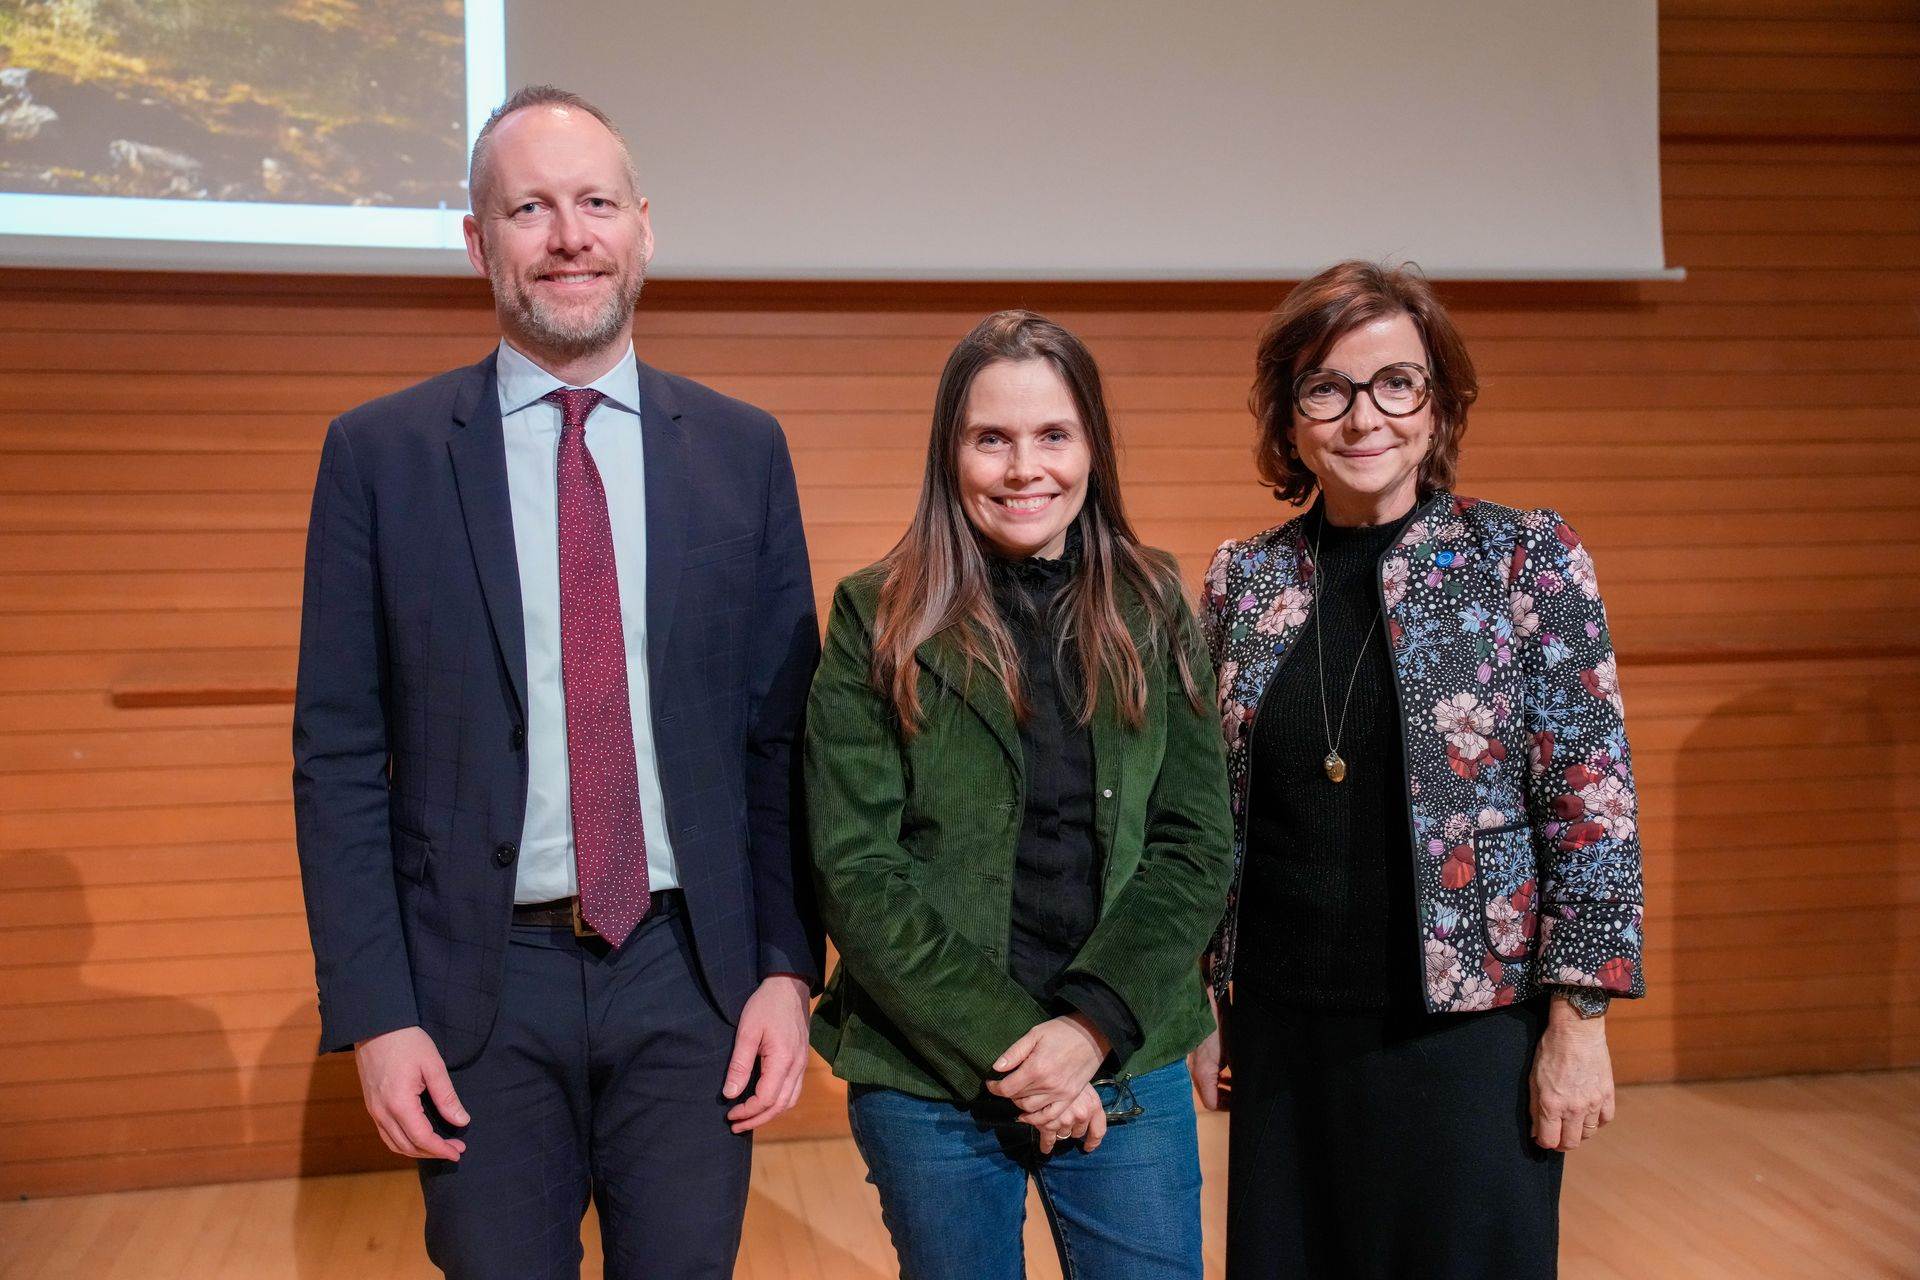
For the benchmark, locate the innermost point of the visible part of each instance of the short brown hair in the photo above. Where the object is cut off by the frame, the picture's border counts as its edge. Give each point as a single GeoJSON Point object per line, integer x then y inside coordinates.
{"type": "Point", "coordinates": [537, 95]}
{"type": "Point", "coordinates": [1317, 314]}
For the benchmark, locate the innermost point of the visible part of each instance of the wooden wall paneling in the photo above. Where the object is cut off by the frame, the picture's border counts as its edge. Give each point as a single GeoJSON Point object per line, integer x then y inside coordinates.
{"type": "Point", "coordinates": [1740, 449]}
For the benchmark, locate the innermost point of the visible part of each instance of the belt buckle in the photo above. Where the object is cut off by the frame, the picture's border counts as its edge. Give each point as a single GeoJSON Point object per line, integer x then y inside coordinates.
{"type": "Point", "coordinates": [581, 929]}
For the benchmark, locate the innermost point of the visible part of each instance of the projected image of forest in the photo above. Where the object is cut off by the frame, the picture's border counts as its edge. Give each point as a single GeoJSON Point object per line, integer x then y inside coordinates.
{"type": "Point", "coordinates": [338, 102]}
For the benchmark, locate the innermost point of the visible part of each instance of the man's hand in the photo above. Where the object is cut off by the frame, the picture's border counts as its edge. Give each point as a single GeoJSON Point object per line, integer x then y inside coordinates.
{"type": "Point", "coordinates": [1051, 1064]}
{"type": "Point", "coordinates": [395, 1069]}
{"type": "Point", "coordinates": [1572, 1079]}
{"type": "Point", "coordinates": [773, 1031]}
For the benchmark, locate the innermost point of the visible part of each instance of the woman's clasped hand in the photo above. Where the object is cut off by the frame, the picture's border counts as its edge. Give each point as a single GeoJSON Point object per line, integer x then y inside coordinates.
{"type": "Point", "coordinates": [1048, 1074]}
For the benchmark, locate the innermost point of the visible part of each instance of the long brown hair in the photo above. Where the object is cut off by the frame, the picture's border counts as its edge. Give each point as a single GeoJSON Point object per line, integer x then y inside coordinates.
{"type": "Point", "coordinates": [1317, 314]}
{"type": "Point", "coordinates": [936, 576]}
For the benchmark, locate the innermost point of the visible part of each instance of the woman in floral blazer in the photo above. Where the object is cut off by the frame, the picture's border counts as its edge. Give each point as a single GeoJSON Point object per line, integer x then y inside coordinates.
{"type": "Point", "coordinates": [1437, 881]}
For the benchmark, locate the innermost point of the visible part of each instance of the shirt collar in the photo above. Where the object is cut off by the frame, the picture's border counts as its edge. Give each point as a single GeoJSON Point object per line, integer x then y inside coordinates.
{"type": "Point", "coordinates": [522, 382]}
{"type": "Point", "coordinates": [1038, 575]}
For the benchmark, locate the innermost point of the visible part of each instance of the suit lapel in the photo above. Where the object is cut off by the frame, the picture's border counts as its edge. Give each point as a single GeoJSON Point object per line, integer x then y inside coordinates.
{"type": "Point", "coordinates": [664, 447]}
{"type": "Point", "coordinates": [478, 449]}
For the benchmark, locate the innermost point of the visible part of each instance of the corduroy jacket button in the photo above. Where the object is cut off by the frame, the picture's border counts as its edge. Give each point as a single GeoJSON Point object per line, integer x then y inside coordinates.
{"type": "Point", "coordinates": [504, 855]}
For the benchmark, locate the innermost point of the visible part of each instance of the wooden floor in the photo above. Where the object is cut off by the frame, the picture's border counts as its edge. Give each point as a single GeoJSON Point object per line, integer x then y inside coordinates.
{"type": "Point", "coordinates": [1808, 1176]}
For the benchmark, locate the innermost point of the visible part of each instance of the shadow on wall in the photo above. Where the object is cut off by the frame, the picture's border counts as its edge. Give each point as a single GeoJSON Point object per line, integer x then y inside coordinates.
{"type": "Point", "coordinates": [1785, 936]}
{"type": "Point", "coordinates": [119, 1084]}
{"type": "Point", "coordinates": [313, 1102]}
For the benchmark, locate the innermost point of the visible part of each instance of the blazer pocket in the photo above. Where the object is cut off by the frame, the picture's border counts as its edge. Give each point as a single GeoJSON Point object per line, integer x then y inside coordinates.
{"type": "Point", "coordinates": [725, 549]}
{"type": "Point", "coordinates": [411, 853]}
{"type": "Point", "coordinates": [1498, 851]}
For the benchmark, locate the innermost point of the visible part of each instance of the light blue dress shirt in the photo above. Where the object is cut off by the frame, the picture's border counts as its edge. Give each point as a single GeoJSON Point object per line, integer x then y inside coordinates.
{"type": "Point", "coordinates": [532, 429]}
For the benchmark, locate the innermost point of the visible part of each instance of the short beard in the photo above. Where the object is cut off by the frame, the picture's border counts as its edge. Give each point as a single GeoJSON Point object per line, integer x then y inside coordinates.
{"type": "Point", "coordinates": [526, 317]}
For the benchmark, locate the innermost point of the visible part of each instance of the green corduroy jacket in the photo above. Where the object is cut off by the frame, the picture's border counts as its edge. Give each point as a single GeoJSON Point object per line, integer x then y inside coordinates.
{"type": "Point", "coordinates": [914, 842]}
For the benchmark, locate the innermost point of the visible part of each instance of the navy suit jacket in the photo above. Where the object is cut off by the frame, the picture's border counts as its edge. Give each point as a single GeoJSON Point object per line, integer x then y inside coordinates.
{"type": "Point", "coordinates": [409, 738]}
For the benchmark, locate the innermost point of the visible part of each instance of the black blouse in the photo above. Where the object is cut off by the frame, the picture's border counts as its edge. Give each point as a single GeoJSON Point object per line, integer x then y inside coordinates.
{"type": "Point", "coordinates": [1057, 867]}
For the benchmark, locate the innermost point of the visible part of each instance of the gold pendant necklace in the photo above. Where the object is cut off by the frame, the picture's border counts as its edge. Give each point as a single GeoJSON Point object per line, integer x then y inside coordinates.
{"type": "Point", "coordinates": [1335, 766]}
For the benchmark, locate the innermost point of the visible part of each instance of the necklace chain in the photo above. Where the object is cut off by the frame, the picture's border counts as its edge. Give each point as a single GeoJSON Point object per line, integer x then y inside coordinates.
{"type": "Point", "coordinates": [1335, 766]}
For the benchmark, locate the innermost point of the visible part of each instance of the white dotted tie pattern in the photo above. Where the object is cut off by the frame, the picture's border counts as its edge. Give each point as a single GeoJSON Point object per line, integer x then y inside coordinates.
{"type": "Point", "coordinates": [609, 842]}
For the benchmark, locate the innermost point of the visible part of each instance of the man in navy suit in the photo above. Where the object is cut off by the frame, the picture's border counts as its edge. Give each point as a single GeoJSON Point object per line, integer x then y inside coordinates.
{"type": "Point", "coordinates": [555, 644]}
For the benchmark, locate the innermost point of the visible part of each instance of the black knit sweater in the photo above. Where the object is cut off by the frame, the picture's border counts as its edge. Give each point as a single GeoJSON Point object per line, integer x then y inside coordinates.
{"type": "Point", "coordinates": [1326, 909]}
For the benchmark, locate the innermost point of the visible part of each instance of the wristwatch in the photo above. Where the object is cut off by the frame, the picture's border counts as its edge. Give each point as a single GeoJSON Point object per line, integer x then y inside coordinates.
{"type": "Point", "coordinates": [1588, 1002]}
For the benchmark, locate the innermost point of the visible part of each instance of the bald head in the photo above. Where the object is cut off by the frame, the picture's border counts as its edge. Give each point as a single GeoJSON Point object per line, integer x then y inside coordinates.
{"type": "Point", "coordinates": [558, 105]}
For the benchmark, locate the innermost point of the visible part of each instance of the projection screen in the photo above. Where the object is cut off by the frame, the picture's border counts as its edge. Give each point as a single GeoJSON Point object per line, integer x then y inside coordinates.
{"type": "Point", "coordinates": [862, 139]}
{"type": "Point", "coordinates": [302, 135]}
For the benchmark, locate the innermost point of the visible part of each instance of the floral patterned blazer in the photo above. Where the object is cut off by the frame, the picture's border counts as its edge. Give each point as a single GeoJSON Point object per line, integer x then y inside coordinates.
{"type": "Point", "coordinates": [1519, 785]}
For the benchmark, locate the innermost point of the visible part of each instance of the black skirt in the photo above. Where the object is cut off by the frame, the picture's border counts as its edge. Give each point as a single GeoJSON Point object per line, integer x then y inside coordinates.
{"type": "Point", "coordinates": [1389, 1145]}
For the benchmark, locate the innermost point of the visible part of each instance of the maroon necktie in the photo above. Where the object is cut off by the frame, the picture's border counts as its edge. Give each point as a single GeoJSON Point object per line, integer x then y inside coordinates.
{"type": "Point", "coordinates": [609, 844]}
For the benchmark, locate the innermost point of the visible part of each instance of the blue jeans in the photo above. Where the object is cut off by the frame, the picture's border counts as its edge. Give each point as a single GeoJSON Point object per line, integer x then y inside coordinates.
{"type": "Point", "coordinates": [953, 1186]}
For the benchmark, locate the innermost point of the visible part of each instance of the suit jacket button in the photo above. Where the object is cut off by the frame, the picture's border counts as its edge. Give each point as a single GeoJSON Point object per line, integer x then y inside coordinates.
{"type": "Point", "coordinates": [504, 855]}
{"type": "Point", "coordinates": [519, 737]}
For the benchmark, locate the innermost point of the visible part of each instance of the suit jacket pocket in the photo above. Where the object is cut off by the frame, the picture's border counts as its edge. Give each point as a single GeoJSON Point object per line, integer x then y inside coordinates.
{"type": "Point", "coordinates": [725, 549]}
{"type": "Point", "coordinates": [411, 853]}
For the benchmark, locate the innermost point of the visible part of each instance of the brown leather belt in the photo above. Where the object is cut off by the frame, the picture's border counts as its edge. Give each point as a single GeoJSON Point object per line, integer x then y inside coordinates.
{"type": "Point", "coordinates": [564, 913]}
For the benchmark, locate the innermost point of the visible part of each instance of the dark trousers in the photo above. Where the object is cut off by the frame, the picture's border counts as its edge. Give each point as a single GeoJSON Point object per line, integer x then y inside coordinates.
{"type": "Point", "coordinates": [1390, 1145]}
{"type": "Point", "coordinates": [601, 1078]}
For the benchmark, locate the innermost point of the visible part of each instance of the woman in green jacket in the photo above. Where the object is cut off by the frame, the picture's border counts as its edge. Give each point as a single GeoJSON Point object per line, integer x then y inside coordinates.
{"type": "Point", "coordinates": [1017, 802]}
